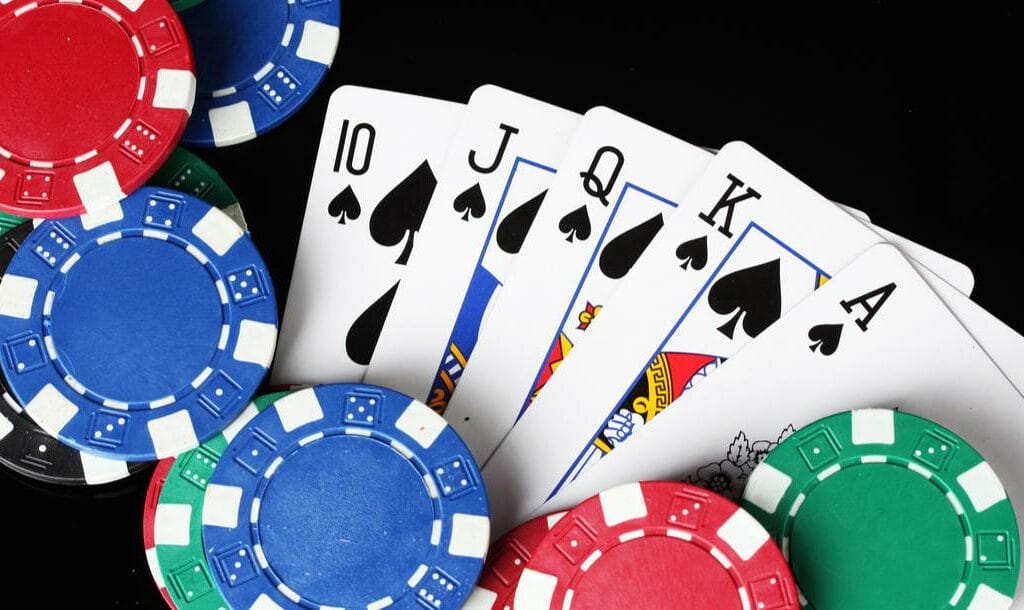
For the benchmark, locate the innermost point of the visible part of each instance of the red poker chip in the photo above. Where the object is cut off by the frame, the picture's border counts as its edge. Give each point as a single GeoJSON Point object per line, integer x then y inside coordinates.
{"type": "Point", "coordinates": [657, 545]}
{"type": "Point", "coordinates": [156, 484]}
{"type": "Point", "coordinates": [505, 562]}
{"type": "Point", "coordinates": [96, 95]}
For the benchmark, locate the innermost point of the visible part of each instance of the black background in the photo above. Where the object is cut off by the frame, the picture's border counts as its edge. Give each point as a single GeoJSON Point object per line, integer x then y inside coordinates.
{"type": "Point", "coordinates": [904, 115]}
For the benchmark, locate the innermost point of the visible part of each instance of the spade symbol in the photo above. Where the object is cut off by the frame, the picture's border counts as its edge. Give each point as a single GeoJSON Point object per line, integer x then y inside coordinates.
{"type": "Point", "coordinates": [400, 212]}
{"type": "Point", "coordinates": [825, 338]}
{"type": "Point", "coordinates": [470, 203]}
{"type": "Point", "coordinates": [622, 252]}
{"type": "Point", "coordinates": [754, 293]}
{"type": "Point", "coordinates": [575, 224]}
{"type": "Point", "coordinates": [365, 331]}
{"type": "Point", "coordinates": [345, 206]}
{"type": "Point", "coordinates": [513, 229]}
{"type": "Point", "coordinates": [693, 254]}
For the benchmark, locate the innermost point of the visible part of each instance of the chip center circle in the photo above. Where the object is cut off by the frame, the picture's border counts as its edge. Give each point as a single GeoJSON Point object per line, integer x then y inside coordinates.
{"type": "Point", "coordinates": [346, 521]}
{"type": "Point", "coordinates": [71, 76]}
{"type": "Point", "coordinates": [877, 536]}
{"type": "Point", "coordinates": [646, 573]}
{"type": "Point", "coordinates": [228, 50]}
{"type": "Point", "coordinates": [135, 304]}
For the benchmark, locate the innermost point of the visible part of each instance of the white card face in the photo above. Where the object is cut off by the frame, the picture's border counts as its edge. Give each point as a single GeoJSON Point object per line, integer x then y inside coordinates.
{"type": "Point", "coordinates": [751, 240]}
{"type": "Point", "coordinates": [1002, 344]}
{"type": "Point", "coordinates": [897, 346]}
{"type": "Point", "coordinates": [495, 175]}
{"type": "Point", "coordinates": [950, 270]}
{"type": "Point", "coordinates": [622, 180]}
{"type": "Point", "coordinates": [375, 173]}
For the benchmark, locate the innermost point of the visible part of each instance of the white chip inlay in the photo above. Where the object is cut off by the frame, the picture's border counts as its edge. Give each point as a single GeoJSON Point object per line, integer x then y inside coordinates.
{"type": "Point", "coordinates": [470, 536]}
{"type": "Point", "coordinates": [256, 343]}
{"type": "Point", "coordinates": [623, 503]}
{"type": "Point", "coordinates": [743, 533]}
{"type": "Point", "coordinates": [982, 486]}
{"type": "Point", "coordinates": [535, 590]}
{"type": "Point", "coordinates": [873, 427]}
{"type": "Point", "coordinates": [221, 504]}
{"type": "Point", "coordinates": [171, 524]}
{"type": "Point", "coordinates": [17, 293]}
{"type": "Point", "coordinates": [766, 487]}
{"type": "Point", "coordinates": [319, 42]}
{"type": "Point", "coordinates": [172, 434]}
{"type": "Point", "coordinates": [298, 409]}
{"type": "Point", "coordinates": [421, 424]}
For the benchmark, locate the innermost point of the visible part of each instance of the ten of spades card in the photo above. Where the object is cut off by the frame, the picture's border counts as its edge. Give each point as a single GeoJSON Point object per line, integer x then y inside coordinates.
{"type": "Point", "coordinates": [375, 173]}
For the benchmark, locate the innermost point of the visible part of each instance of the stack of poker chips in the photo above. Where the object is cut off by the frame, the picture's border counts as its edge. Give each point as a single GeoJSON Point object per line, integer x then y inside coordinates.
{"type": "Point", "coordinates": [139, 318]}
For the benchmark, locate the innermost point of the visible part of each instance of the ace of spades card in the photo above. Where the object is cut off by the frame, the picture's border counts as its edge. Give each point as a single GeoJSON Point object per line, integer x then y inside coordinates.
{"type": "Point", "coordinates": [876, 336]}
{"type": "Point", "coordinates": [493, 184]}
{"type": "Point", "coordinates": [750, 243]}
{"type": "Point", "coordinates": [618, 184]}
{"type": "Point", "coordinates": [375, 173]}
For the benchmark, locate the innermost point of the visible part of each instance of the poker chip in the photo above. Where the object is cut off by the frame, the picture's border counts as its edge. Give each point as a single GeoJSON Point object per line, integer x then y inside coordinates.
{"type": "Point", "coordinates": [257, 63]}
{"type": "Point", "coordinates": [96, 95]}
{"type": "Point", "coordinates": [153, 492]}
{"type": "Point", "coordinates": [181, 5]}
{"type": "Point", "coordinates": [506, 560]}
{"type": "Point", "coordinates": [178, 527]}
{"type": "Point", "coordinates": [657, 545]}
{"type": "Point", "coordinates": [25, 447]}
{"type": "Point", "coordinates": [182, 171]}
{"type": "Point", "coordinates": [350, 496]}
{"type": "Point", "coordinates": [139, 331]}
{"type": "Point", "coordinates": [9, 221]}
{"type": "Point", "coordinates": [186, 172]}
{"type": "Point", "coordinates": [882, 509]}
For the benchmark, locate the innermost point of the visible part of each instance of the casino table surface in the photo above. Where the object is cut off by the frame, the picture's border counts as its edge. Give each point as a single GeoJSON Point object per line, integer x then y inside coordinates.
{"type": "Point", "coordinates": [901, 114]}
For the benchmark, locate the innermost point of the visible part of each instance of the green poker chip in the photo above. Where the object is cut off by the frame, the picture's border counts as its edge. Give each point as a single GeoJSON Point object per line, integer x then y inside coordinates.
{"type": "Point", "coordinates": [184, 5]}
{"type": "Point", "coordinates": [882, 509]}
{"type": "Point", "coordinates": [178, 519]}
{"type": "Point", "coordinates": [9, 221]}
{"type": "Point", "coordinates": [186, 172]}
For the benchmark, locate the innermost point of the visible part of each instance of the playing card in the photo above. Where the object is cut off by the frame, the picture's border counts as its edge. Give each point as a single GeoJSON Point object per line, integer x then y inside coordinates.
{"type": "Point", "coordinates": [619, 181]}
{"type": "Point", "coordinates": [375, 172]}
{"type": "Point", "coordinates": [618, 184]}
{"type": "Point", "coordinates": [857, 213]}
{"type": "Point", "coordinates": [751, 242]}
{"type": "Point", "coordinates": [1002, 344]}
{"type": "Point", "coordinates": [494, 180]}
{"type": "Point", "coordinates": [952, 271]}
{"type": "Point", "coordinates": [874, 336]}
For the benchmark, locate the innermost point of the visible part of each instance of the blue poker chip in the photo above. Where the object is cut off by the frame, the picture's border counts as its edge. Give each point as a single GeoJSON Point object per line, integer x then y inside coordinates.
{"type": "Point", "coordinates": [346, 496]}
{"type": "Point", "coordinates": [257, 63]}
{"type": "Point", "coordinates": [140, 330]}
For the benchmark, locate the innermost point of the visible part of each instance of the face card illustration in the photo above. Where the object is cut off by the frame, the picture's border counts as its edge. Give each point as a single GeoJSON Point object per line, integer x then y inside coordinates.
{"type": "Point", "coordinates": [876, 336]}
{"type": "Point", "coordinates": [493, 182]}
{"type": "Point", "coordinates": [374, 177]}
{"type": "Point", "coordinates": [524, 193]}
{"type": "Point", "coordinates": [618, 184]}
{"type": "Point", "coordinates": [758, 280]}
{"type": "Point", "coordinates": [796, 237]}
